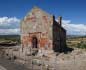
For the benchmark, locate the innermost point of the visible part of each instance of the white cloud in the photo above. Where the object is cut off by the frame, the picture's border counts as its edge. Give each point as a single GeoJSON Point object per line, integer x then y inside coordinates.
{"type": "Point", "coordinates": [66, 21]}
{"type": "Point", "coordinates": [9, 25]}
{"type": "Point", "coordinates": [9, 31]}
{"type": "Point", "coordinates": [74, 29]}
{"type": "Point", "coordinates": [6, 21]}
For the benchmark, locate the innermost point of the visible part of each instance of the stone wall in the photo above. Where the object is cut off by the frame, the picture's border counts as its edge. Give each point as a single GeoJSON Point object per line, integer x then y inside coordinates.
{"type": "Point", "coordinates": [37, 23]}
{"type": "Point", "coordinates": [43, 26]}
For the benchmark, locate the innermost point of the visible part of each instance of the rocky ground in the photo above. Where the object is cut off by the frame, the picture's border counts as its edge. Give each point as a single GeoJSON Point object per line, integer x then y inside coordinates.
{"type": "Point", "coordinates": [2, 68]}
{"type": "Point", "coordinates": [75, 60]}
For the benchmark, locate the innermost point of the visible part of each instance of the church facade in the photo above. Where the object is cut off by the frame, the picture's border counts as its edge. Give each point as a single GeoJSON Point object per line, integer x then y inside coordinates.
{"type": "Point", "coordinates": [40, 30]}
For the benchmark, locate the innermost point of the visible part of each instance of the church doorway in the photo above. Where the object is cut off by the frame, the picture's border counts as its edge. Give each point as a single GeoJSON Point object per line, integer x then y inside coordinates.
{"type": "Point", "coordinates": [34, 42]}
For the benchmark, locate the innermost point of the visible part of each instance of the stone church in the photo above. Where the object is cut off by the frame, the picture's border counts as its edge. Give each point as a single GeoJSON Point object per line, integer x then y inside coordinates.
{"type": "Point", "coordinates": [40, 30]}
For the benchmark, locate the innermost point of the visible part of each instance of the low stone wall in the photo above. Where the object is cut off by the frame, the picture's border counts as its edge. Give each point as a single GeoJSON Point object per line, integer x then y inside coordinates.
{"type": "Point", "coordinates": [70, 61]}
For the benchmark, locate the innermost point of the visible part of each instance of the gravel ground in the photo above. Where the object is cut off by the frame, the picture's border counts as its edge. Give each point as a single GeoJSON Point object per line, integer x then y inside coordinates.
{"type": "Point", "coordinates": [75, 60]}
{"type": "Point", "coordinates": [2, 68]}
{"type": "Point", "coordinates": [11, 65]}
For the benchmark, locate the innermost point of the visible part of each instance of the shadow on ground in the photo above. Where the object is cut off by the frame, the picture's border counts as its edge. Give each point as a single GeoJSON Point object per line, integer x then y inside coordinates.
{"type": "Point", "coordinates": [67, 50]}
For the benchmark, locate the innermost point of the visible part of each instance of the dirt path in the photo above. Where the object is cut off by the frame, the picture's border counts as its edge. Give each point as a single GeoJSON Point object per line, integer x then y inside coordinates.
{"type": "Point", "coordinates": [11, 65]}
{"type": "Point", "coordinates": [2, 68]}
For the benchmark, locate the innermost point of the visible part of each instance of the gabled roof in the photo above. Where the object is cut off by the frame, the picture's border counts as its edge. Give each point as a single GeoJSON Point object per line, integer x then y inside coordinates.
{"type": "Point", "coordinates": [35, 8]}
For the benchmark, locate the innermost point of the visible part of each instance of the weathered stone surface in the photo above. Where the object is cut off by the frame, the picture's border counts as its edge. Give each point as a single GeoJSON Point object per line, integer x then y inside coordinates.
{"type": "Point", "coordinates": [43, 26]}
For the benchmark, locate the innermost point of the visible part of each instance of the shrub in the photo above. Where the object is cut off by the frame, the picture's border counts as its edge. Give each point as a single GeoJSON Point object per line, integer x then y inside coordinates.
{"type": "Point", "coordinates": [81, 45]}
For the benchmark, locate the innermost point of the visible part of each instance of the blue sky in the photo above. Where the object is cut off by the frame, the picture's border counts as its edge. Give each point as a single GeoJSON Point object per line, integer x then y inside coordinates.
{"type": "Point", "coordinates": [72, 11]}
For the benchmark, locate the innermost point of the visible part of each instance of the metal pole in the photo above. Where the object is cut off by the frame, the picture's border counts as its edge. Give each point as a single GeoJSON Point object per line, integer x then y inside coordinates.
{"type": "Point", "coordinates": [8, 52]}
{"type": "Point", "coordinates": [41, 59]}
{"type": "Point", "coordinates": [48, 65]}
{"type": "Point", "coordinates": [12, 54]}
{"type": "Point", "coordinates": [31, 58]}
{"type": "Point", "coordinates": [25, 55]}
{"type": "Point", "coordinates": [74, 61]}
{"type": "Point", "coordinates": [19, 50]}
{"type": "Point", "coordinates": [55, 63]}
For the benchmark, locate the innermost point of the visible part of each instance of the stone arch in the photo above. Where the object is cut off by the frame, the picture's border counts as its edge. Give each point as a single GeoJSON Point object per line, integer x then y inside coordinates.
{"type": "Point", "coordinates": [34, 42]}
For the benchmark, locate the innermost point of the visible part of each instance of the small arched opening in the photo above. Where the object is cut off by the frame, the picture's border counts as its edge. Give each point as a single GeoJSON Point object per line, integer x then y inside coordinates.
{"type": "Point", "coordinates": [34, 42]}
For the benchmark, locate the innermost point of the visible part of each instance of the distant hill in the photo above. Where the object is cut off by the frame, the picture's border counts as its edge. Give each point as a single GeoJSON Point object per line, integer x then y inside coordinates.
{"type": "Point", "coordinates": [10, 38]}
{"type": "Point", "coordinates": [75, 36]}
